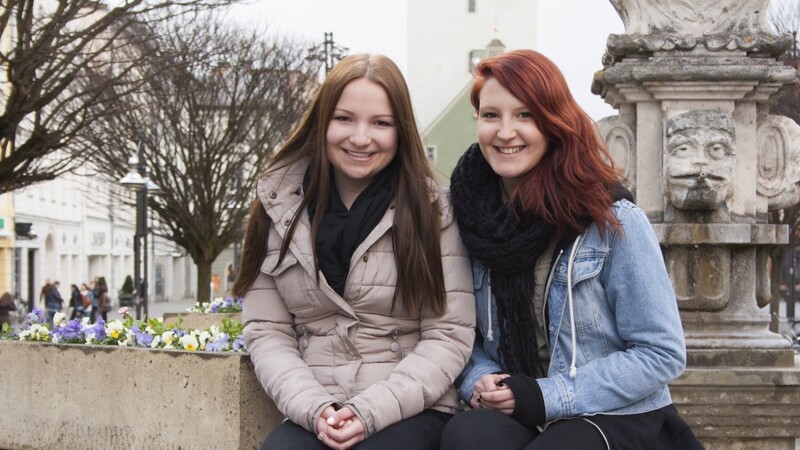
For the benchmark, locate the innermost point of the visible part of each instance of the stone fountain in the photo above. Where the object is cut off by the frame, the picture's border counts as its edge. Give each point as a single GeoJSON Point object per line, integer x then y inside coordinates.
{"type": "Point", "coordinates": [692, 81]}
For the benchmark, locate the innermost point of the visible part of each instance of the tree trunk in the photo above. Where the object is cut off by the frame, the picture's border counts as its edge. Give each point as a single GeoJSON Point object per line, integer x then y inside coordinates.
{"type": "Point", "coordinates": [203, 281]}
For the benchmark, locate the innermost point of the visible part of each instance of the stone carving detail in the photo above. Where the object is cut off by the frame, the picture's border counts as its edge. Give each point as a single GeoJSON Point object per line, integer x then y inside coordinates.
{"type": "Point", "coordinates": [621, 144]}
{"type": "Point", "coordinates": [700, 276]}
{"type": "Point", "coordinates": [693, 17]}
{"type": "Point", "coordinates": [682, 25]}
{"type": "Point", "coordinates": [778, 142]}
{"type": "Point", "coordinates": [620, 45]}
{"type": "Point", "coordinates": [699, 159]}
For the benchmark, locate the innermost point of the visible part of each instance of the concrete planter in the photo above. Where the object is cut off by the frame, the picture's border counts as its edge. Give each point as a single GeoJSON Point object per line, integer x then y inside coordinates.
{"type": "Point", "coordinates": [100, 397]}
{"type": "Point", "coordinates": [200, 321]}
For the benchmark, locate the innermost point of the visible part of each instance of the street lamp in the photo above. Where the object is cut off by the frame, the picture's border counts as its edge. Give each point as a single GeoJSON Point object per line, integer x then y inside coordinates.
{"type": "Point", "coordinates": [137, 180]}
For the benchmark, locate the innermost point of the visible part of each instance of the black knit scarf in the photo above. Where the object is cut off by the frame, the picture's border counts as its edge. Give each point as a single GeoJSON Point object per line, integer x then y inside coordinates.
{"type": "Point", "coordinates": [341, 230]}
{"type": "Point", "coordinates": [508, 243]}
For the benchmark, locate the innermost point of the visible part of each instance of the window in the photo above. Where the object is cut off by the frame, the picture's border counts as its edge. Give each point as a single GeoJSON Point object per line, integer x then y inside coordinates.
{"type": "Point", "coordinates": [475, 57]}
{"type": "Point", "coordinates": [471, 5]}
{"type": "Point", "coordinates": [430, 152]}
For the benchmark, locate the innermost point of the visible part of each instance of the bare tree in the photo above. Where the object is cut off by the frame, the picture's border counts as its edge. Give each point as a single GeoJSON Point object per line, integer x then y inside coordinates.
{"type": "Point", "coordinates": [210, 122]}
{"type": "Point", "coordinates": [46, 48]}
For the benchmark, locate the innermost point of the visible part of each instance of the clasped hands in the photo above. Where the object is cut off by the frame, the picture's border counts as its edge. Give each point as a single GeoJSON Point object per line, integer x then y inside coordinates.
{"type": "Point", "coordinates": [490, 392]}
{"type": "Point", "coordinates": [340, 429]}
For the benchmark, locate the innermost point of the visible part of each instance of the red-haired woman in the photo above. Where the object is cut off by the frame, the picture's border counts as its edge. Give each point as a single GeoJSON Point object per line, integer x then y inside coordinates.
{"type": "Point", "coordinates": [578, 325]}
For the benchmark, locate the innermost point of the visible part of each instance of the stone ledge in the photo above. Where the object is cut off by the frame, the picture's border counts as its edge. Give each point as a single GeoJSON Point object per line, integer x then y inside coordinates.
{"type": "Point", "coordinates": [100, 397]}
{"type": "Point", "coordinates": [746, 408]}
{"type": "Point", "coordinates": [693, 234]}
{"type": "Point", "coordinates": [200, 321]}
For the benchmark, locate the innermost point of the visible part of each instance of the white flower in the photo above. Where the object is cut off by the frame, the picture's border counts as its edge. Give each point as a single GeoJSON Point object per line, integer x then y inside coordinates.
{"type": "Point", "coordinates": [56, 339]}
{"type": "Point", "coordinates": [168, 337]}
{"type": "Point", "coordinates": [214, 330]}
{"type": "Point", "coordinates": [204, 337]}
{"type": "Point", "coordinates": [156, 342]}
{"type": "Point", "coordinates": [57, 318]}
{"type": "Point", "coordinates": [127, 341]}
{"type": "Point", "coordinates": [40, 332]}
{"type": "Point", "coordinates": [189, 342]}
{"type": "Point", "coordinates": [85, 322]}
{"type": "Point", "coordinates": [114, 329]}
{"type": "Point", "coordinates": [90, 338]}
{"type": "Point", "coordinates": [25, 335]}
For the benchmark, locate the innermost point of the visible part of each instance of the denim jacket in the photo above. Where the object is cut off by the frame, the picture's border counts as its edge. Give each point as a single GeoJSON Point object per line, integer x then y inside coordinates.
{"type": "Point", "coordinates": [628, 340]}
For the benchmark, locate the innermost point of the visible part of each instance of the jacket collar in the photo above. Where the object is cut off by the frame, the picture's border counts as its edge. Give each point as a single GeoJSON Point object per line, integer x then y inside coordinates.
{"type": "Point", "coordinates": [284, 191]}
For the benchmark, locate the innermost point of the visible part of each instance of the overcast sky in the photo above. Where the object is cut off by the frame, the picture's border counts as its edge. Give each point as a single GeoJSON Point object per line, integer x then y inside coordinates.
{"type": "Point", "coordinates": [571, 32]}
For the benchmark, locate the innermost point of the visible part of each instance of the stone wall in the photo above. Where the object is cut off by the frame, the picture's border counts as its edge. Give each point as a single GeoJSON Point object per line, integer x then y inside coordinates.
{"type": "Point", "coordinates": [101, 397]}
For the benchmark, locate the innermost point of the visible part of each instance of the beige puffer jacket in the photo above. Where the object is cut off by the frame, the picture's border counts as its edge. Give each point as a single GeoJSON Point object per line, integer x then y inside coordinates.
{"type": "Point", "coordinates": [311, 347]}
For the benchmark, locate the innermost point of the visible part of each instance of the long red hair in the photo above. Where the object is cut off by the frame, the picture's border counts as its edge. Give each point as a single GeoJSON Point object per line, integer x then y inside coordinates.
{"type": "Point", "coordinates": [575, 177]}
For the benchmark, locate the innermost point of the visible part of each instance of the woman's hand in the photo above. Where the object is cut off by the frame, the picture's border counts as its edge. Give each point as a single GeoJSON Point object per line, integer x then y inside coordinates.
{"type": "Point", "coordinates": [340, 429]}
{"type": "Point", "coordinates": [490, 392]}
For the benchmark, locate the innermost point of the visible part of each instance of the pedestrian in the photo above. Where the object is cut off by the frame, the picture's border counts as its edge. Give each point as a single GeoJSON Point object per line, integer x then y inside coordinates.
{"type": "Point", "coordinates": [578, 325]}
{"type": "Point", "coordinates": [104, 302]}
{"type": "Point", "coordinates": [87, 298]}
{"type": "Point", "coordinates": [358, 306]}
{"type": "Point", "coordinates": [94, 287]}
{"type": "Point", "coordinates": [6, 306]}
{"type": "Point", "coordinates": [43, 294]}
{"type": "Point", "coordinates": [75, 302]}
{"type": "Point", "coordinates": [53, 302]}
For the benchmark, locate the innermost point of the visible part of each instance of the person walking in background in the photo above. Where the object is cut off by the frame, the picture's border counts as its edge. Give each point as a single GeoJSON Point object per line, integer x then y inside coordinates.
{"type": "Point", "coordinates": [578, 325]}
{"type": "Point", "coordinates": [43, 294]}
{"type": "Point", "coordinates": [104, 301]}
{"type": "Point", "coordinates": [75, 302]}
{"type": "Point", "coordinates": [53, 302]}
{"type": "Point", "coordinates": [6, 306]}
{"type": "Point", "coordinates": [94, 286]}
{"type": "Point", "coordinates": [358, 309]}
{"type": "Point", "coordinates": [87, 297]}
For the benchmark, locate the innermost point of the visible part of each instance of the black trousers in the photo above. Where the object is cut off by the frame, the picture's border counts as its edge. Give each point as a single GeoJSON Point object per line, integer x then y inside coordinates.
{"type": "Point", "coordinates": [488, 429]}
{"type": "Point", "coordinates": [421, 432]}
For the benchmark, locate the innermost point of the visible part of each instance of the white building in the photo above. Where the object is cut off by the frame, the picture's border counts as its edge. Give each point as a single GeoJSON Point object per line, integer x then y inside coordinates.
{"type": "Point", "coordinates": [79, 232]}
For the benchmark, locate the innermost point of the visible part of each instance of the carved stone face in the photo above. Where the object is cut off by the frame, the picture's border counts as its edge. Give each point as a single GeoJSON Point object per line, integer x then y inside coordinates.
{"type": "Point", "coordinates": [699, 159]}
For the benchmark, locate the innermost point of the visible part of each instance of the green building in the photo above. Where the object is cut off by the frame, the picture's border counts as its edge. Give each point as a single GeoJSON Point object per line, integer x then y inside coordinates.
{"type": "Point", "coordinates": [454, 129]}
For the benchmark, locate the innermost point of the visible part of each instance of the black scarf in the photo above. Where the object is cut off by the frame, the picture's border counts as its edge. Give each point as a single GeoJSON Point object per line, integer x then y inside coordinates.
{"type": "Point", "coordinates": [508, 242]}
{"type": "Point", "coordinates": [341, 230]}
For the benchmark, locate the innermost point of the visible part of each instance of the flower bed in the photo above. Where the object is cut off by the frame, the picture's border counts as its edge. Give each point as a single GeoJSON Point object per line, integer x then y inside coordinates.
{"type": "Point", "coordinates": [130, 384]}
{"type": "Point", "coordinates": [204, 315]}
{"type": "Point", "coordinates": [219, 305]}
{"type": "Point", "coordinates": [152, 333]}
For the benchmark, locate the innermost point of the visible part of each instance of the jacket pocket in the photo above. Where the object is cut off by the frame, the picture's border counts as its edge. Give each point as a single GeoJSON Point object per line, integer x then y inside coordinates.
{"type": "Point", "coordinates": [295, 286]}
{"type": "Point", "coordinates": [587, 264]}
{"type": "Point", "coordinates": [271, 267]}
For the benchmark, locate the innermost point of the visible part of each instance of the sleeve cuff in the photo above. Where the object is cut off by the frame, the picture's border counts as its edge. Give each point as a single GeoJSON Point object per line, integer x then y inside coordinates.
{"type": "Point", "coordinates": [529, 407]}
